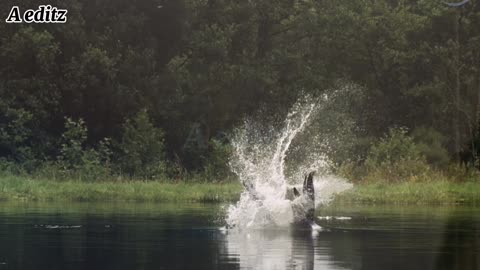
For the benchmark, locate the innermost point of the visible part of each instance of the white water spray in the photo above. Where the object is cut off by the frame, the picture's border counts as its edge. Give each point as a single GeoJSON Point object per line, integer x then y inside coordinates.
{"type": "Point", "coordinates": [260, 160]}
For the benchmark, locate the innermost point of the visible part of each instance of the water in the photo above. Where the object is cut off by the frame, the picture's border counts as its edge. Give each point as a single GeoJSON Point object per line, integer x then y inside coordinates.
{"type": "Point", "coordinates": [254, 233]}
{"type": "Point", "coordinates": [189, 236]}
{"type": "Point", "coordinates": [260, 160]}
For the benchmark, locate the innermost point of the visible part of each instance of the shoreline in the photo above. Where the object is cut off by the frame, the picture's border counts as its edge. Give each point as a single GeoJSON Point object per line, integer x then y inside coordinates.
{"type": "Point", "coordinates": [18, 188]}
{"type": "Point", "coordinates": [412, 193]}
{"type": "Point", "coordinates": [21, 188]}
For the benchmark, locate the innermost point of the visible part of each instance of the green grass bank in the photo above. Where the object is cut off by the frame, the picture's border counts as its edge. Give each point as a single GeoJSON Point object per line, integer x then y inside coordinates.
{"type": "Point", "coordinates": [20, 188]}
{"type": "Point", "coordinates": [30, 189]}
{"type": "Point", "coordinates": [433, 193]}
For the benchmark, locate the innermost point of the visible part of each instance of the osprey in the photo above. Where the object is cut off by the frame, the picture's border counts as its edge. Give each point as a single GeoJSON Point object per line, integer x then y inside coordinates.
{"type": "Point", "coordinates": [303, 203]}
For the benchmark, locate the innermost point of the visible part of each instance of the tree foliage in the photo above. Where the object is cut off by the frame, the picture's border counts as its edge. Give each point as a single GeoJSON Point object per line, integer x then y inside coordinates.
{"type": "Point", "coordinates": [200, 66]}
{"type": "Point", "coordinates": [142, 148]}
{"type": "Point", "coordinates": [395, 157]}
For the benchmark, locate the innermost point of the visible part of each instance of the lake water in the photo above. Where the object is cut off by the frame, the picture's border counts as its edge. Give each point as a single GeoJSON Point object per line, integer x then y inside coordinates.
{"type": "Point", "coordinates": [191, 236]}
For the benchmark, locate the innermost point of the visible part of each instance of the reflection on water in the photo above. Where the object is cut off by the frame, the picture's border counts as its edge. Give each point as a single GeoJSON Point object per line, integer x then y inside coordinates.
{"type": "Point", "coordinates": [165, 236]}
{"type": "Point", "coordinates": [278, 249]}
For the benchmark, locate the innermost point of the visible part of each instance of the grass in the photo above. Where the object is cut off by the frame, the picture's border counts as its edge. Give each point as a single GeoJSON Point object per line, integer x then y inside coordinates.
{"type": "Point", "coordinates": [21, 188]}
{"type": "Point", "coordinates": [433, 192]}
{"type": "Point", "coordinates": [28, 189]}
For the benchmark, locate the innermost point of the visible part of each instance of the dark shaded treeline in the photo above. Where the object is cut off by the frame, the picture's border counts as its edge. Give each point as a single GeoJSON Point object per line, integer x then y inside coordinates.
{"type": "Point", "coordinates": [191, 70]}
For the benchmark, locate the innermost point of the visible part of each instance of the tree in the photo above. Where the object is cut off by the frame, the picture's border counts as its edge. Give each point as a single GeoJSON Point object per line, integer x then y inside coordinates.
{"type": "Point", "coordinates": [142, 148]}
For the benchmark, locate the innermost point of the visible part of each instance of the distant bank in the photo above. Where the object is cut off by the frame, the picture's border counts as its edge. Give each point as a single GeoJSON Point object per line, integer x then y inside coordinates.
{"type": "Point", "coordinates": [433, 192]}
{"type": "Point", "coordinates": [28, 189]}
{"type": "Point", "coordinates": [19, 188]}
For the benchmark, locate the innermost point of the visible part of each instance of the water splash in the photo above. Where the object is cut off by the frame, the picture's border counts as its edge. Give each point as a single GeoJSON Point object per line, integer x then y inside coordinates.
{"type": "Point", "coordinates": [260, 160]}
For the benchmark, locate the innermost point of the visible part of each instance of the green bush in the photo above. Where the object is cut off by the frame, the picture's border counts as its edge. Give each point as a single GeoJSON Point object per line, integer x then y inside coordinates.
{"type": "Point", "coordinates": [51, 170]}
{"type": "Point", "coordinates": [462, 172]}
{"type": "Point", "coordinates": [430, 143]}
{"type": "Point", "coordinates": [396, 157]}
{"type": "Point", "coordinates": [142, 148]}
{"type": "Point", "coordinates": [10, 167]}
{"type": "Point", "coordinates": [216, 168]}
{"type": "Point", "coordinates": [73, 139]}
{"type": "Point", "coordinates": [15, 133]}
{"type": "Point", "coordinates": [92, 168]}
{"type": "Point", "coordinates": [75, 160]}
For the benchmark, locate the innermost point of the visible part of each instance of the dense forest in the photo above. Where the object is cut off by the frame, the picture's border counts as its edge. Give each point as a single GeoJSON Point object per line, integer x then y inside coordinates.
{"type": "Point", "coordinates": [144, 88]}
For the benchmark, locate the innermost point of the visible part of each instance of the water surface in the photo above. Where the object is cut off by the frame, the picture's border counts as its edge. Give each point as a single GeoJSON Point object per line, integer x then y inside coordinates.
{"type": "Point", "coordinates": [191, 236]}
